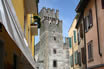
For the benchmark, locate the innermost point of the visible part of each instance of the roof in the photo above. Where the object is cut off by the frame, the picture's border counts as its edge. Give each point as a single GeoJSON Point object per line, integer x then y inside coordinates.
{"type": "Point", "coordinates": [81, 6]}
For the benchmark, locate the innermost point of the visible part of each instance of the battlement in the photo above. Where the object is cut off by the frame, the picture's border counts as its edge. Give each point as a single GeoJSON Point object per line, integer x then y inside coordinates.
{"type": "Point", "coordinates": [48, 12]}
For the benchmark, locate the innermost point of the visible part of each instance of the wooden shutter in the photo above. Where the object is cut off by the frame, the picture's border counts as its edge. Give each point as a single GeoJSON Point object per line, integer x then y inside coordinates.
{"type": "Point", "coordinates": [90, 55]}
{"type": "Point", "coordinates": [79, 59]}
{"type": "Point", "coordinates": [90, 18]}
{"type": "Point", "coordinates": [81, 31]}
{"type": "Point", "coordinates": [79, 37]}
{"type": "Point", "coordinates": [74, 36]}
{"type": "Point", "coordinates": [86, 24]}
{"type": "Point", "coordinates": [102, 4]}
{"type": "Point", "coordinates": [76, 57]}
{"type": "Point", "coordinates": [70, 42]}
{"type": "Point", "coordinates": [71, 60]}
{"type": "Point", "coordinates": [83, 55]}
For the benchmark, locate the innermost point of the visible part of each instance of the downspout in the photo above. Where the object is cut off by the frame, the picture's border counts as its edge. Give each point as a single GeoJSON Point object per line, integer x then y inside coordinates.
{"type": "Point", "coordinates": [98, 34]}
{"type": "Point", "coordinates": [84, 42]}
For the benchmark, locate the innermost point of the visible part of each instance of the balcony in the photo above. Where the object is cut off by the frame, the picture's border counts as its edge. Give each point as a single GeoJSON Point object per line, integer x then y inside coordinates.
{"type": "Point", "coordinates": [35, 25]}
{"type": "Point", "coordinates": [34, 29]}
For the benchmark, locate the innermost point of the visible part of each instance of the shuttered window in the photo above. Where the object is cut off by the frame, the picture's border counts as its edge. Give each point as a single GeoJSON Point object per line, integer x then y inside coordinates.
{"type": "Point", "coordinates": [88, 21]}
{"type": "Point", "coordinates": [79, 37]}
{"type": "Point", "coordinates": [79, 59]}
{"type": "Point", "coordinates": [76, 57]}
{"type": "Point", "coordinates": [102, 4]}
{"type": "Point", "coordinates": [81, 30]}
{"type": "Point", "coordinates": [71, 60]}
{"type": "Point", "coordinates": [83, 55]}
{"type": "Point", "coordinates": [74, 36]}
{"type": "Point", "coordinates": [70, 42]}
{"type": "Point", "coordinates": [90, 52]}
{"type": "Point", "coordinates": [90, 18]}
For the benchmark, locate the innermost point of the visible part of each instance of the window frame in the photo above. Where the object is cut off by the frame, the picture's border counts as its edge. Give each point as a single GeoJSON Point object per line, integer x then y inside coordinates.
{"type": "Point", "coordinates": [90, 51]}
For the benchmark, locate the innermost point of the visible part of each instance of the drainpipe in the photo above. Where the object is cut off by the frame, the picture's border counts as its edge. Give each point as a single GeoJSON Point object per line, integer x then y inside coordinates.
{"type": "Point", "coordinates": [84, 42]}
{"type": "Point", "coordinates": [98, 28]}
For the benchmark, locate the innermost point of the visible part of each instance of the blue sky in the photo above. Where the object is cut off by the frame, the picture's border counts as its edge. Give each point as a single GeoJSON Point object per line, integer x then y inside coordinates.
{"type": "Point", "coordinates": [66, 12]}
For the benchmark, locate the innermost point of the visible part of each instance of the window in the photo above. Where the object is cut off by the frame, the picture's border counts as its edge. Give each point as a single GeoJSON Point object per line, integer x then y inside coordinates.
{"type": "Point", "coordinates": [1, 54]}
{"type": "Point", "coordinates": [88, 21]}
{"type": "Point", "coordinates": [71, 61]}
{"type": "Point", "coordinates": [90, 52]}
{"type": "Point", "coordinates": [79, 58]}
{"type": "Point", "coordinates": [74, 36]}
{"type": "Point", "coordinates": [83, 55]}
{"type": "Point", "coordinates": [81, 30]}
{"type": "Point", "coordinates": [70, 42]}
{"type": "Point", "coordinates": [54, 38]}
{"type": "Point", "coordinates": [102, 4]}
{"type": "Point", "coordinates": [37, 67]}
{"type": "Point", "coordinates": [90, 18]}
{"type": "Point", "coordinates": [15, 61]}
{"type": "Point", "coordinates": [54, 51]}
{"type": "Point", "coordinates": [79, 37]}
{"type": "Point", "coordinates": [54, 63]}
{"type": "Point", "coordinates": [0, 27]}
{"type": "Point", "coordinates": [76, 57]}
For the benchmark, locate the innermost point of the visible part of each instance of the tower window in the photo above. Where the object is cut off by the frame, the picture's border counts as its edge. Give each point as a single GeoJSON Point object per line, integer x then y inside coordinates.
{"type": "Point", "coordinates": [54, 38]}
{"type": "Point", "coordinates": [54, 63]}
{"type": "Point", "coordinates": [54, 51]}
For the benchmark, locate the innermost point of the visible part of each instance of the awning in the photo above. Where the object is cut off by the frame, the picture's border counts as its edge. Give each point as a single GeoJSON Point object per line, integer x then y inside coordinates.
{"type": "Point", "coordinates": [10, 21]}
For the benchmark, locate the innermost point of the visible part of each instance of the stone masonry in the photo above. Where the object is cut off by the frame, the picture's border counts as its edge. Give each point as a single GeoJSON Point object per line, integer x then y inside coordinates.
{"type": "Point", "coordinates": [51, 51]}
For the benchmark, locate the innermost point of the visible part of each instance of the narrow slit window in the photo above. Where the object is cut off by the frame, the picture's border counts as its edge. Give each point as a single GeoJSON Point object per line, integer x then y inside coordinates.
{"type": "Point", "coordinates": [54, 38]}
{"type": "Point", "coordinates": [54, 51]}
{"type": "Point", "coordinates": [54, 63]}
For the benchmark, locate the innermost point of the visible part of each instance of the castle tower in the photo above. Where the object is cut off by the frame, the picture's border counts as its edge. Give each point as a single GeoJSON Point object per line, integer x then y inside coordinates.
{"type": "Point", "coordinates": [51, 40]}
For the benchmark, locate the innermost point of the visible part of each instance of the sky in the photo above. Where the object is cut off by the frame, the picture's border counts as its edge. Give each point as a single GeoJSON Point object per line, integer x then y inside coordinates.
{"type": "Point", "coordinates": [66, 12]}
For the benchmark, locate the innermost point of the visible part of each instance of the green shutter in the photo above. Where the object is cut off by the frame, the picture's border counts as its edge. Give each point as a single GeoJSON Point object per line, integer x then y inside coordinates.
{"type": "Point", "coordinates": [74, 36]}
{"type": "Point", "coordinates": [76, 57]}
{"type": "Point", "coordinates": [71, 60]}
{"type": "Point", "coordinates": [70, 43]}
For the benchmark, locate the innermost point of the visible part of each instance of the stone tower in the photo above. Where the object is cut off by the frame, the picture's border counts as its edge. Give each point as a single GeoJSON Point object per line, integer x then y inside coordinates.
{"type": "Point", "coordinates": [51, 40]}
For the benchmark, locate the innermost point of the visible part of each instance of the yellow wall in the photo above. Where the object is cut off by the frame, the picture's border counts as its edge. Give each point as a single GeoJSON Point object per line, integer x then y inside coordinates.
{"type": "Point", "coordinates": [74, 45]}
{"type": "Point", "coordinates": [19, 8]}
{"type": "Point", "coordinates": [10, 48]}
{"type": "Point", "coordinates": [29, 36]}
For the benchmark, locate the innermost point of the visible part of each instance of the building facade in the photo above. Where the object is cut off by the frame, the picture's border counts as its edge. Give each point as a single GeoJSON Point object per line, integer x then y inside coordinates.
{"type": "Point", "coordinates": [91, 12]}
{"type": "Point", "coordinates": [52, 52]}
{"type": "Point", "coordinates": [17, 31]}
{"type": "Point", "coordinates": [73, 44]}
{"type": "Point", "coordinates": [81, 45]}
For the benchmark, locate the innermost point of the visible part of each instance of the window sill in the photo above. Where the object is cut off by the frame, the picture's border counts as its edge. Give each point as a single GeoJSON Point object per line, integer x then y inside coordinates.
{"type": "Point", "coordinates": [90, 60]}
